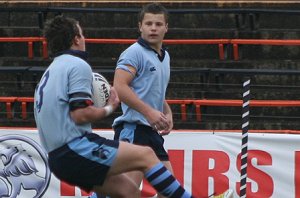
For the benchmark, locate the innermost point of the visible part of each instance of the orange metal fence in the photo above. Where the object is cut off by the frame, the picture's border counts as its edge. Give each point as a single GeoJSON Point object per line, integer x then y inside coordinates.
{"type": "Point", "coordinates": [29, 41]}
{"type": "Point", "coordinates": [219, 42]}
{"type": "Point", "coordinates": [280, 42]}
{"type": "Point", "coordinates": [10, 102]}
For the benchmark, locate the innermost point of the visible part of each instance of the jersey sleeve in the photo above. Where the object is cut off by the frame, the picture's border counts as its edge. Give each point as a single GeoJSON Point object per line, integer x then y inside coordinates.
{"type": "Point", "coordinates": [129, 57]}
{"type": "Point", "coordinates": [80, 83]}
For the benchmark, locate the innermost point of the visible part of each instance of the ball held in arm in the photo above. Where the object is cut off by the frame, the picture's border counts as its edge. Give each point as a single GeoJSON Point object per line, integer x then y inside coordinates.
{"type": "Point", "coordinates": [100, 90]}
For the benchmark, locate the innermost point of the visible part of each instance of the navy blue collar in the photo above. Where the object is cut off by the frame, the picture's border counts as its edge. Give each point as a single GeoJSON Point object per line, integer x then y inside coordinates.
{"type": "Point", "coordinates": [78, 53]}
{"type": "Point", "coordinates": [146, 45]}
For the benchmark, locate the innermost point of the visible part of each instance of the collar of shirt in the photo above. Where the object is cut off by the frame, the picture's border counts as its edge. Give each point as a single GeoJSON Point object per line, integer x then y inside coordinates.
{"type": "Point", "coordinates": [81, 54]}
{"type": "Point", "coordinates": [146, 45]}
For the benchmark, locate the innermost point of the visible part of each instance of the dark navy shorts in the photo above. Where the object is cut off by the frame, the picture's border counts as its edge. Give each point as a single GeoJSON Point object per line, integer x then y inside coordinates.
{"type": "Point", "coordinates": [85, 161]}
{"type": "Point", "coordinates": [142, 135]}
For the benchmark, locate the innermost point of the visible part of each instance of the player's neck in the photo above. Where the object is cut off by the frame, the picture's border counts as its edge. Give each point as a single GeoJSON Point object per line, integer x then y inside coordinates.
{"type": "Point", "coordinates": [157, 48]}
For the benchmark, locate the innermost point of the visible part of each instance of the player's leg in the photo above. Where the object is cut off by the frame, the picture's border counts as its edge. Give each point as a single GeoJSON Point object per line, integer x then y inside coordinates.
{"type": "Point", "coordinates": [157, 144]}
{"type": "Point", "coordinates": [85, 162]}
{"type": "Point", "coordinates": [136, 176]}
{"type": "Point", "coordinates": [169, 167]}
{"type": "Point", "coordinates": [142, 135]}
{"type": "Point", "coordinates": [127, 132]}
{"type": "Point", "coordinates": [133, 157]}
{"type": "Point", "coordinates": [117, 186]}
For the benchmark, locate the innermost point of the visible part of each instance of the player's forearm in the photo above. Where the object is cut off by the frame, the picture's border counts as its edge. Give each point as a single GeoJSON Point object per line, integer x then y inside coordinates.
{"type": "Point", "coordinates": [88, 114]}
{"type": "Point", "coordinates": [128, 97]}
{"type": "Point", "coordinates": [167, 108]}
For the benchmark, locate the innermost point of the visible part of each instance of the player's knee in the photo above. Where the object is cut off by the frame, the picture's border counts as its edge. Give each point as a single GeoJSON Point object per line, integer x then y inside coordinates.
{"type": "Point", "coordinates": [125, 190]}
{"type": "Point", "coordinates": [148, 152]}
{"type": "Point", "coordinates": [149, 156]}
{"type": "Point", "coordinates": [128, 192]}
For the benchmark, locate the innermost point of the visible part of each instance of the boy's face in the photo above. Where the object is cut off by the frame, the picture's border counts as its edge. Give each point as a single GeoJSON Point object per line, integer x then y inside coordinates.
{"type": "Point", "coordinates": [79, 41]}
{"type": "Point", "coordinates": [153, 28]}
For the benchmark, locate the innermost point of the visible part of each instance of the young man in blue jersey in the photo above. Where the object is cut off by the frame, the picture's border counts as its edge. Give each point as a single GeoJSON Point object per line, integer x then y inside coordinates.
{"type": "Point", "coordinates": [64, 111]}
{"type": "Point", "coordinates": [141, 79]}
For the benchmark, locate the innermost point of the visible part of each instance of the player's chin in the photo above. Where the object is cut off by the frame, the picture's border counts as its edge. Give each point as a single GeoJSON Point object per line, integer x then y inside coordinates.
{"type": "Point", "coordinates": [154, 40]}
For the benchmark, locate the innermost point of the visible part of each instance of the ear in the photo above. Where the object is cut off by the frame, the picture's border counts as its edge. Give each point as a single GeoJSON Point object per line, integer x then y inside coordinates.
{"type": "Point", "coordinates": [140, 26]}
{"type": "Point", "coordinates": [76, 40]}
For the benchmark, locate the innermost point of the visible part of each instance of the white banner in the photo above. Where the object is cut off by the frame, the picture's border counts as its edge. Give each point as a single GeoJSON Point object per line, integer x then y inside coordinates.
{"type": "Point", "coordinates": [204, 162]}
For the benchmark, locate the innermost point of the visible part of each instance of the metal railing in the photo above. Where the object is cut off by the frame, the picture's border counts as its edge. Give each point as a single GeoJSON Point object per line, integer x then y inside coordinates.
{"type": "Point", "coordinates": [222, 44]}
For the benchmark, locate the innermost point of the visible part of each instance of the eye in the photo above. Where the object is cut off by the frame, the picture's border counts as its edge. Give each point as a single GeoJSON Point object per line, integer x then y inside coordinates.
{"type": "Point", "coordinates": [159, 24]}
{"type": "Point", "coordinates": [148, 23]}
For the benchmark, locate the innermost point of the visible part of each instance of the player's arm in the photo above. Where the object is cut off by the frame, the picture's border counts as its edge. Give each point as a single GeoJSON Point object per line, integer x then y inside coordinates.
{"type": "Point", "coordinates": [169, 115]}
{"type": "Point", "coordinates": [82, 111]}
{"type": "Point", "coordinates": [122, 80]}
{"type": "Point", "coordinates": [87, 114]}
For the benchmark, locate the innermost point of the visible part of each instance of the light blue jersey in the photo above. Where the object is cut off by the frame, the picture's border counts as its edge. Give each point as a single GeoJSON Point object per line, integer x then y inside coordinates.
{"type": "Point", "coordinates": [66, 75]}
{"type": "Point", "coordinates": [150, 82]}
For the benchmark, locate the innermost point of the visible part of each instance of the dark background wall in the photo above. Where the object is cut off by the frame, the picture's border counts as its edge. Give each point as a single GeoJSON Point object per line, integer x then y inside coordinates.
{"type": "Point", "coordinates": [264, 20]}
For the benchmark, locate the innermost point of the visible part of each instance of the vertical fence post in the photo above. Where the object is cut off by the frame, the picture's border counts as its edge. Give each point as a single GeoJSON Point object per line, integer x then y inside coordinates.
{"type": "Point", "coordinates": [245, 128]}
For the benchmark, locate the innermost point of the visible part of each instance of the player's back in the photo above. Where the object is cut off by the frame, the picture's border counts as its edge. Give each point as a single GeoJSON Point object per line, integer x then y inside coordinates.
{"type": "Point", "coordinates": [66, 75]}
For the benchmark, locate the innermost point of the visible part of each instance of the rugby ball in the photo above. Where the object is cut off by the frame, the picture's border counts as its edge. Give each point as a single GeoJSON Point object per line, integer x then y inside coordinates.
{"type": "Point", "coordinates": [100, 90]}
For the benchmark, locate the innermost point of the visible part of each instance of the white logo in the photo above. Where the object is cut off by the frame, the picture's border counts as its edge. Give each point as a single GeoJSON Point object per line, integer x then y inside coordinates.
{"type": "Point", "coordinates": [21, 174]}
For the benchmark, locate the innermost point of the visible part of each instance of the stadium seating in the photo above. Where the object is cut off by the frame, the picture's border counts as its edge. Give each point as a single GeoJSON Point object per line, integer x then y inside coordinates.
{"type": "Point", "coordinates": [213, 48]}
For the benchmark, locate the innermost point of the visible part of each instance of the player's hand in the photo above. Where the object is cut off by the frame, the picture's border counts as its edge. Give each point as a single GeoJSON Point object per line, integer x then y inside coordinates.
{"type": "Point", "coordinates": [113, 99]}
{"type": "Point", "coordinates": [157, 120]}
{"type": "Point", "coordinates": [169, 127]}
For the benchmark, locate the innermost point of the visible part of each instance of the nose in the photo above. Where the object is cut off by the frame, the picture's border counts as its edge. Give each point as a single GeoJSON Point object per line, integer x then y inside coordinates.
{"type": "Point", "coordinates": [153, 27]}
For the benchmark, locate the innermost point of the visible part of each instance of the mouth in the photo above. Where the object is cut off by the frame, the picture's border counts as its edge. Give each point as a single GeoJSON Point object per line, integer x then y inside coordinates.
{"type": "Point", "coordinates": [153, 35]}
